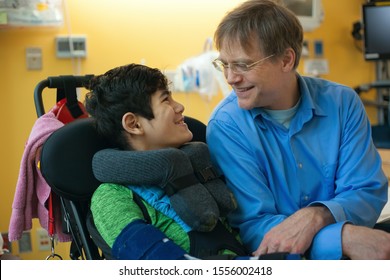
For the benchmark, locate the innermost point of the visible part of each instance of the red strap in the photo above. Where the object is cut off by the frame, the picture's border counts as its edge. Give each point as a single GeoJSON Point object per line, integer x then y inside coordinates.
{"type": "Point", "coordinates": [62, 114]}
{"type": "Point", "coordinates": [51, 215]}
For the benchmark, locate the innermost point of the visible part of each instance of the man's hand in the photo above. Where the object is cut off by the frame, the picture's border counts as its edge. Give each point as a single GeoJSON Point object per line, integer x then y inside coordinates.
{"type": "Point", "coordinates": [295, 234]}
{"type": "Point", "coordinates": [362, 243]}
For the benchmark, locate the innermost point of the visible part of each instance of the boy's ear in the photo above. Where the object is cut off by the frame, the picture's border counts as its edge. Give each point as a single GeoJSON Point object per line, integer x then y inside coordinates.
{"type": "Point", "coordinates": [131, 124]}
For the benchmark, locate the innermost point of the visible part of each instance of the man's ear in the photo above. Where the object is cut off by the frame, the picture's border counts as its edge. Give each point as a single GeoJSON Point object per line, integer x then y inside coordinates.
{"type": "Point", "coordinates": [288, 60]}
{"type": "Point", "coordinates": [131, 124]}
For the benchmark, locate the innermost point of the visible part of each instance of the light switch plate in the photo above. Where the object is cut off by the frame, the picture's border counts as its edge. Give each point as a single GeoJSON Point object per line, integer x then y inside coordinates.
{"type": "Point", "coordinates": [34, 58]}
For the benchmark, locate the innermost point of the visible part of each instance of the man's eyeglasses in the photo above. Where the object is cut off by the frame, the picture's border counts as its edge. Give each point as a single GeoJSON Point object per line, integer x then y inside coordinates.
{"type": "Point", "coordinates": [238, 67]}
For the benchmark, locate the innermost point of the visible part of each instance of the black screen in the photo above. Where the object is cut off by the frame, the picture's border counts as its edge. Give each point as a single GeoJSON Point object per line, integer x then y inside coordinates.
{"type": "Point", "coordinates": [376, 22]}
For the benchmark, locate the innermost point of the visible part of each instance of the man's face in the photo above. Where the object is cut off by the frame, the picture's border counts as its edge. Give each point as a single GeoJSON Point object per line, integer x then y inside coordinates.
{"type": "Point", "coordinates": [261, 85]}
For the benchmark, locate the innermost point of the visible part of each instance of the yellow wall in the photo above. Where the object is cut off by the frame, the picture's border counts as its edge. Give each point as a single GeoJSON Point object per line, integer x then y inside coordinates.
{"type": "Point", "coordinates": [160, 33]}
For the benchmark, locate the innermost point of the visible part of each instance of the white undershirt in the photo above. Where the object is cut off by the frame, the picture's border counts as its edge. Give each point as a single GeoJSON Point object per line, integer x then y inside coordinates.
{"type": "Point", "coordinates": [283, 117]}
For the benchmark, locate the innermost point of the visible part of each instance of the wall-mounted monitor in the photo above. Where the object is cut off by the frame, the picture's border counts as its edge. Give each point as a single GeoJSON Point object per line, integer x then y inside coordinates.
{"type": "Point", "coordinates": [309, 12]}
{"type": "Point", "coordinates": [376, 26]}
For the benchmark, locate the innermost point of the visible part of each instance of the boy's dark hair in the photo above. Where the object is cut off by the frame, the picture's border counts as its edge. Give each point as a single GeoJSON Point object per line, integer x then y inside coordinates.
{"type": "Point", "coordinates": [120, 90]}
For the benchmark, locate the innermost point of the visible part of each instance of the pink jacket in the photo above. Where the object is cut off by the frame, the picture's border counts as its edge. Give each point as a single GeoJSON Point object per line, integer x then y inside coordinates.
{"type": "Point", "coordinates": [32, 191]}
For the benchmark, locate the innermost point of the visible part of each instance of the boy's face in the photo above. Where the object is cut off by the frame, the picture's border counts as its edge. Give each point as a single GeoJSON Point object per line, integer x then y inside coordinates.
{"type": "Point", "coordinates": [167, 128]}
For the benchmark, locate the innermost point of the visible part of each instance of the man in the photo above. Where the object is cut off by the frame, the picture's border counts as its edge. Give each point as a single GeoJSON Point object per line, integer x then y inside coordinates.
{"type": "Point", "coordinates": [296, 151]}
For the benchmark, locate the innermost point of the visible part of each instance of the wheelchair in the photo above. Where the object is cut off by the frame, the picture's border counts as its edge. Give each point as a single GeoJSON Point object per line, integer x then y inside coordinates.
{"type": "Point", "coordinates": [66, 164]}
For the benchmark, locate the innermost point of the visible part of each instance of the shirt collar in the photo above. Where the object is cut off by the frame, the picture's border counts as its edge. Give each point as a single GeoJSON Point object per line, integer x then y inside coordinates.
{"type": "Point", "coordinates": [308, 88]}
{"type": "Point", "coordinates": [307, 105]}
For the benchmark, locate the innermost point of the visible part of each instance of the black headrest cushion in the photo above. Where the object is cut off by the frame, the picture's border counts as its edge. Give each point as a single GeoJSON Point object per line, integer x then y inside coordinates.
{"type": "Point", "coordinates": [197, 128]}
{"type": "Point", "coordinates": [66, 159]}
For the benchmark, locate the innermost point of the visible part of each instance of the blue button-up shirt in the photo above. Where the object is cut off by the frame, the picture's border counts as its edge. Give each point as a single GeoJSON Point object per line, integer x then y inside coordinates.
{"type": "Point", "coordinates": [325, 157]}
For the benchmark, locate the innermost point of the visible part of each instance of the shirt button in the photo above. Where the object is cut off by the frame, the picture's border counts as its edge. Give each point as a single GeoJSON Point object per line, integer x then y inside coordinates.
{"type": "Point", "coordinates": [300, 165]}
{"type": "Point", "coordinates": [306, 198]}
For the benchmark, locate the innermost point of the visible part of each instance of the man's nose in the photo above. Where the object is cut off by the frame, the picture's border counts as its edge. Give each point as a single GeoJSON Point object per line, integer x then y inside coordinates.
{"type": "Point", "coordinates": [231, 77]}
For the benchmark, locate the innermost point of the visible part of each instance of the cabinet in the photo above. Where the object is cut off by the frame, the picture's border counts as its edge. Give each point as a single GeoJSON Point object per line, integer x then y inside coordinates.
{"type": "Point", "coordinates": [28, 13]}
{"type": "Point", "coordinates": [381, 131]}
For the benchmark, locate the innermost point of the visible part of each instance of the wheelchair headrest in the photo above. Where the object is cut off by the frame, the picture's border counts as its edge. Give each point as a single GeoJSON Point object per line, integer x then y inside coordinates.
{"type": "Point", "coordinates": [197, 128]}
{"type": "Point", "coordinates": [66, 159]}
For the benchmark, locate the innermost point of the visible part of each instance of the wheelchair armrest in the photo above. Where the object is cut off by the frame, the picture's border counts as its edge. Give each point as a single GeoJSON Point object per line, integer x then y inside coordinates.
{"type": "Point", "coordinates": [383, 226]}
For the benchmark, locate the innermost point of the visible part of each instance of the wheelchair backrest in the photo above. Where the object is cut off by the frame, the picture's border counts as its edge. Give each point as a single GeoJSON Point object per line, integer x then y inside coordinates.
{"type": "Point", "coordinates": [66, 159]}
{"type": "Point", "coordinates": [66, 165]}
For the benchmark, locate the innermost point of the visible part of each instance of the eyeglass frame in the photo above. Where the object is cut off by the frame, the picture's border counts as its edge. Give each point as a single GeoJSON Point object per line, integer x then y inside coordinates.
{"type": "Point", "coordinates": [220, 66]}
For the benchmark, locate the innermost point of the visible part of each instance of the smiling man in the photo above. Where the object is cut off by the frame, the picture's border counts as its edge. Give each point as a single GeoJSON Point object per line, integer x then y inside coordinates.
{"type": "Point", "coordinates": [296, 151]}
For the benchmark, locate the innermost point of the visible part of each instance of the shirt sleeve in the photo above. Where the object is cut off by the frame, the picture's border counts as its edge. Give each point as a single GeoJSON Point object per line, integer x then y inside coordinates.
{"type": "Point", "coordinates": [322, 248]}
{"type": "Point", "coordinates": [360, 186]}
{"type": "Point", "coordinates": [113, 208]}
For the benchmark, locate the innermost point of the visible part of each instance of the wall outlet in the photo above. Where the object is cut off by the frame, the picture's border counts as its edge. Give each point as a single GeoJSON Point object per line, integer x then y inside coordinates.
{"type": "Point", "coordinates": [74, 46]}
{"type": "Point", "coordinates": [43, 240]}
